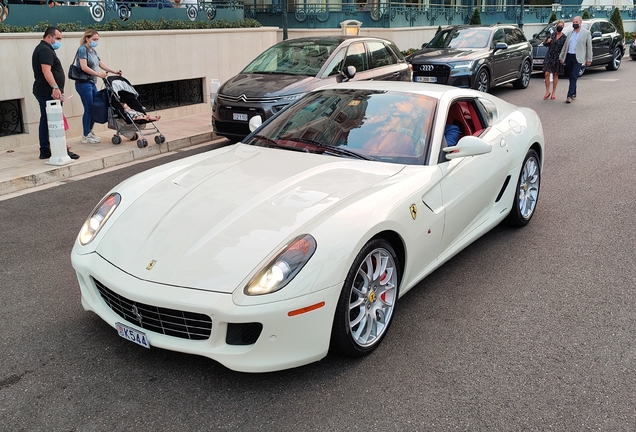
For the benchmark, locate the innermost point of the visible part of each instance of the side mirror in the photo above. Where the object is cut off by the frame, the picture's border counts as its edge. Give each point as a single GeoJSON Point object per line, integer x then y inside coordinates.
{"type": "Point", "coordinates": [468, 146]}
{"type": "Point", "coordinates": [349, 72]}
{"type": "Point", "coordinates": [255, 123]}
{"type": "Point", "coordinates": [501, 46]}
{"type": "Point", "coordinates": [596, 34]}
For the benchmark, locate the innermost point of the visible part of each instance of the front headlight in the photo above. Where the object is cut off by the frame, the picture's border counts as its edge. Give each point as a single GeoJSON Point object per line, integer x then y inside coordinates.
{"type": "Point", "coordinates": [463, 65]}
{"type": "Point", "coordinates": [283, 268]}
{"type": "Point", "coordinates": [98, 218]}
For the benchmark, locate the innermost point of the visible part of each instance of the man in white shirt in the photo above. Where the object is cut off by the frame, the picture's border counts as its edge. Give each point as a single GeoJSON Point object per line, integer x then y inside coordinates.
{"type": "Point", "coordinates": [576, 51]}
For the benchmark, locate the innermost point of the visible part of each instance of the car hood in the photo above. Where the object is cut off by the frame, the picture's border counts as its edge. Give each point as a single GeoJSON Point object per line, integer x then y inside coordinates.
{"type": "Point", "coordinates": [212, 223]}
{"type": "Point", "coordinates": [437, 55]}
{"type": "Point", "coordinates": [267, 85]}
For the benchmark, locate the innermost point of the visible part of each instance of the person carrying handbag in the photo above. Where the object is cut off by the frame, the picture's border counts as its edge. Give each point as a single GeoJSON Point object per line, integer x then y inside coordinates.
{"type": "Point", "coordinates": [89, 63]}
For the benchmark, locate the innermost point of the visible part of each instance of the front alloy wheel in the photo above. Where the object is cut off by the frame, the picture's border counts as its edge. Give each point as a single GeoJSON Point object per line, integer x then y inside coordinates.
{"type": "Point", "coordinates": [367, 301]}
{"type": "Point", "coordinates": [482, 83]}
{"type": "Point", "coordinates": [527, 193]}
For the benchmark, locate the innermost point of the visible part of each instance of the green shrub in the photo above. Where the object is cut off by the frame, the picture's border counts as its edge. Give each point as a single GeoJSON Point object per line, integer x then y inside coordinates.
{"type": "Point", "coordinates": [117, 25]}
{"type": "Point", "coordinates": [586, 14]}
{"type": "Point", "coordinates": [439, 29]}
{"type": "Point", "coordinates": [617, 20]}
{"type": "Point", "coordinates": [553, 18]}
{"type": "Point", "coordinates": [475, 18]}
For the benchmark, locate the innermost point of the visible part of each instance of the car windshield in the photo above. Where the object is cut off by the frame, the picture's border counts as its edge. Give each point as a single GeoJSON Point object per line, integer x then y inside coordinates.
{"type": "Point", "coordinates": [461, 38]}
{"type": "Point", "coordinates": [294, 57]}
{"type": "Point", "coordinates": [369, 124]}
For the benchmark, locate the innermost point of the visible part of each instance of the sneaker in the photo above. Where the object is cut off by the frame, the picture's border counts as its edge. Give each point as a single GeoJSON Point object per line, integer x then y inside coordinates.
{"type": "Point", "coordinates": [45, 154]}
{"type": "Point", "coordinates": [573, 96]}
{"type": "Point", "coordinates": [93, 136]}
{"type": "Point", "coordinates": [568, 100]}
{"type": "Point", "coordinates": [88, 140]}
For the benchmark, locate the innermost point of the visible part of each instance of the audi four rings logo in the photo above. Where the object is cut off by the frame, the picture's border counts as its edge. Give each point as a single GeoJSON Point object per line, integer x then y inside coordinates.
{"type": "Point", "coordinates": [426, 68]}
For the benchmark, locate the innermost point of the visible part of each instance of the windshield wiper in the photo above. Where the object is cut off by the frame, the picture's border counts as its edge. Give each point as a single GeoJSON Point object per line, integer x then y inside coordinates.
{"type": "Point", "coordinates": [333, 150]}
{"type": "Point", "coordinates": [273, 143]}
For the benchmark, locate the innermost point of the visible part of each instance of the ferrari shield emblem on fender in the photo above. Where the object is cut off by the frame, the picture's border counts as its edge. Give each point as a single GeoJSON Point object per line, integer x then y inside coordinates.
{"type": "Point", "coordinates": [151, 265]}
{"type": "Point", "coordinates": [413, 211]}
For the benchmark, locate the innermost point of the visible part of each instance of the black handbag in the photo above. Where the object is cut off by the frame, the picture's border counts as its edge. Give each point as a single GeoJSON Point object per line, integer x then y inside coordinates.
{"type": "Point", "coordinates": [76, 73]}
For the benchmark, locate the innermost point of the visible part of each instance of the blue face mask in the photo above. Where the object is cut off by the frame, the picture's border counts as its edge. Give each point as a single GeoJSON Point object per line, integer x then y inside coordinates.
{"type": "Point", "coordinates": [56, 45]}
{"type": "Point", "coordinates": [93, 44]}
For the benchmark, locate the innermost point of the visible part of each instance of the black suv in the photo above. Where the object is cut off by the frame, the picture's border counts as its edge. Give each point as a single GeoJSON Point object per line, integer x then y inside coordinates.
{"type": "Point", "coordinates": [608, 46]}
{"type": "Point", "coordinates": [478, 57]}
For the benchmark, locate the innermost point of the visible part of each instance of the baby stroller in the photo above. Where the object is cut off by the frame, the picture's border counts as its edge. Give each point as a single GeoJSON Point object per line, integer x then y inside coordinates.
{"type": "Point", "coordinates": [120, 92]}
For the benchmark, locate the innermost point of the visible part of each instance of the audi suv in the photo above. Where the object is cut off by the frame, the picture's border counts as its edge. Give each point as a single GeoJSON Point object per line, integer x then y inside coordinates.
{"type": "Point", "coordinates": [478, 57]}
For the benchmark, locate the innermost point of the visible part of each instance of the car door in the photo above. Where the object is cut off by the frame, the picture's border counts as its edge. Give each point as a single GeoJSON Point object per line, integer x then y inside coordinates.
{"type": "Point", "coordinates": [600, 46]}
{"type": "Point", "coordinates": [516, 43]}
{"type": "Point", "coordinates": [470, 185]}
{"type": "Point", "coordinates": [357, 57]}
{"type": "Point", "coordinates": [499, 58]}
{"type": "Point", "coordinates": [383, 62]}
{"type": "Point", "coordinates": [607, 32]}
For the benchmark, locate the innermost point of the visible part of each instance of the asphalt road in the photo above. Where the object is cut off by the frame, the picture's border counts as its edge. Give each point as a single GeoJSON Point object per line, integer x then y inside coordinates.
{"type": "Point", "coordinates": [527, 329]}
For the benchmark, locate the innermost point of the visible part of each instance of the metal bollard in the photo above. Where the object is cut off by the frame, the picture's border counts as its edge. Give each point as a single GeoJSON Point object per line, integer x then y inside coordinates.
{"type": "Point", "coordinates": [214, 88]}
{"type": "Point", "coordinates": [57, 136]}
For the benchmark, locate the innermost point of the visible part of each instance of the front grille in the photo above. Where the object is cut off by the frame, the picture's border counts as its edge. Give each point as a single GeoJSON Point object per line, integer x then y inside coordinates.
{"type": "Point", "coordinates": [170, 322]}
{"type": "Point", "coordinates": [442, 72]}
{"type": "Point", "coordinates": [246, 99]}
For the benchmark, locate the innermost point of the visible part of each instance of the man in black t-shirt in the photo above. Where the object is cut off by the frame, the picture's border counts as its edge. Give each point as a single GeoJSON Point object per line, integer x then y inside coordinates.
{"type": "Point", "coordinates": [49, 82]}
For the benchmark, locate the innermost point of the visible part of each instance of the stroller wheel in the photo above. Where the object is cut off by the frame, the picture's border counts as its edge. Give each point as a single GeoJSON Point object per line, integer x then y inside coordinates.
{"type": "Point", "coordinates": [160, 139]}
{"type": "Point", "coordinates": [134, 137]}
{"type": "Point", "coordinates": [116, 139]}
{"type": "Point", "coordinates": [142, 143]}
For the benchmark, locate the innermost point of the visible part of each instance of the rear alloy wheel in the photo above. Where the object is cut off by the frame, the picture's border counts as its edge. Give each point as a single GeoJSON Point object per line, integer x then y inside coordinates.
{"type": "Point", "coordinates": [582, 71]}
{"type": "Point", "coordinates": [482, 83]}
{"type": "Point", "coordinates": [527, 193]}
{"type": "Point", "coordinates": [367, 301]}
{"type": "Point", "coordinates": [616, 60]}
{"type": "Point", "coordinates": [524, 79]}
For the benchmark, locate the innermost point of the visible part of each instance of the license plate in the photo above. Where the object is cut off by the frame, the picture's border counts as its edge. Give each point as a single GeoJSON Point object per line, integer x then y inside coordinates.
{"type": "Point", "coordinates": [132, 335]}
{"type": "Point", "coordinates": [239, 116]}
{"type": "Point", "coordinates": [426, 79]}
{"type": "Point", "coordinates": [537, 61]}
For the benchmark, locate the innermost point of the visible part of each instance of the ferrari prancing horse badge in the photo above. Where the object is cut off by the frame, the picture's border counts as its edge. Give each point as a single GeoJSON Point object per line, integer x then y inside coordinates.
{"type": "Point", "coordinates": [413, 211]}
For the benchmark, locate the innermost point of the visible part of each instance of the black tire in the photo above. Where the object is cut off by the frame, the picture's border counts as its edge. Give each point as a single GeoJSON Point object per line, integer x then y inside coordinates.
{"type": "Point", "coordinates": [582, 70]}
{"type": "Point", "coordinates": [482, 80]}
{"type": "Point", "coordinates": [116, 139]}
{"type": "Point", "coordinates": [526, 196]}
{"type": "Point", "coordinates": [617, 55]}
{"type": "Point", "coordinates": [367, 304]}
{"type": "Point", "coordinates": [524, 79]}
{"type": "Point", "coordinates": [142, 143]}
{"type": "Point", "coordinates": [157, 139]}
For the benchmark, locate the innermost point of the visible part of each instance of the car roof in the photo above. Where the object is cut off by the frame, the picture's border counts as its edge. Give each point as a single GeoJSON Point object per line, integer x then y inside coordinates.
{"type": "Point", "coordinates": [339, 38]}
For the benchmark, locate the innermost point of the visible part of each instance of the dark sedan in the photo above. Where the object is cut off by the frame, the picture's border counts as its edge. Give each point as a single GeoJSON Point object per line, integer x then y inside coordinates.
{"type": "Point", "coordinates": [478, 57]}
{"type": "Point", "coordinates": [288, 70]}
{"type": "Point", "coordinates": [608, 45]}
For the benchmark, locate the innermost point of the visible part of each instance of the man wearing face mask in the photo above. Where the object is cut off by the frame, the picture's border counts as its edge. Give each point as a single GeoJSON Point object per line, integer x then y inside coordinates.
{"type": "Point", "coordinates": [576, 51]}
{"type": "Point", "coordinates": [49, 82]}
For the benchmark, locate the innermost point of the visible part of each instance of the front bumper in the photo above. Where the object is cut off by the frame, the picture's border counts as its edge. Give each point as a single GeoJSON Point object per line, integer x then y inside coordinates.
{"type": "Point", "coordinates": [284, 342]}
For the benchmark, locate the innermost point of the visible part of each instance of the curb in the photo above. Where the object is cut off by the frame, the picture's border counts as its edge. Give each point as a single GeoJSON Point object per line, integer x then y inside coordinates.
{"type": "Point", "coordinates": [85, 166]}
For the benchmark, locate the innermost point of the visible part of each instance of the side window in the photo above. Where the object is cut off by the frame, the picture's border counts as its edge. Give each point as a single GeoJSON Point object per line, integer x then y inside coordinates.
{"type": "Point", "coordinates": [357, 57]}
{"type": "Point", "coordinates": [499, 37]}
{"type": "Point", "coordinates": [333, 68]}
{"type": "Point", "coordinates": [595, 27]}
{"type": "Point", "coordinates": [606, 27]}
{"type": "Point", "coordinates": [520, 36]}
{"type": "Point", "coordinates": [511, 36]}
{"type": "Point", "coordinates": [380, 55]}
